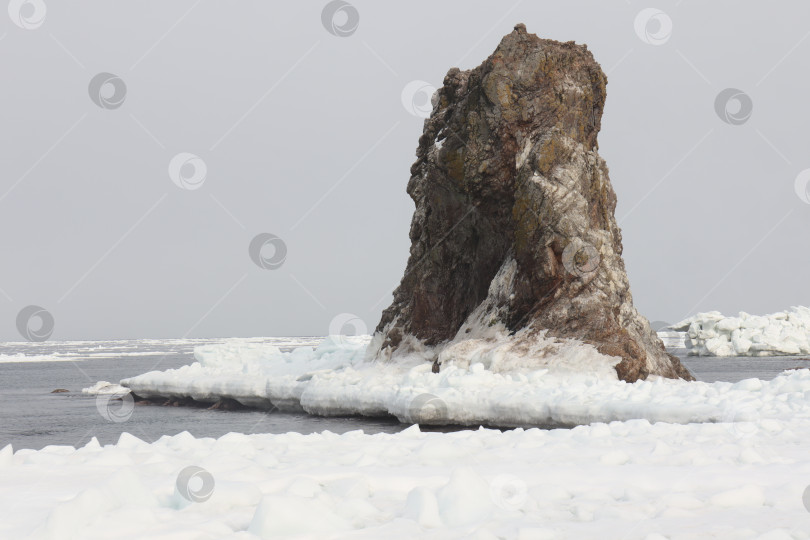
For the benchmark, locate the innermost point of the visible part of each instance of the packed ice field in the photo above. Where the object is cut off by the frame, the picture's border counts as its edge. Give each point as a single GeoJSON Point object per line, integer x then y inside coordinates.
{"type": "Point", "coordinates": [632, 480]}
{"type": "Point", "coordinates": [713, 334]}
{"type": "Point", "coordinates": [655, 459]}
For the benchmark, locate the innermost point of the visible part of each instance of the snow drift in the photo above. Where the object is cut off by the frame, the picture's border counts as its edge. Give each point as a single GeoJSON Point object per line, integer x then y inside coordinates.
{"type": "Point", "coordinates": [630, 480]}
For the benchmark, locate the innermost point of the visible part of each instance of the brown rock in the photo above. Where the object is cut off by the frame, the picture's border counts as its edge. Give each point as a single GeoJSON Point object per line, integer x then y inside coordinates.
{"type": "Point", "coordinates": [227, 404]}
{"type": "Point", "coordinates": [514, 221]}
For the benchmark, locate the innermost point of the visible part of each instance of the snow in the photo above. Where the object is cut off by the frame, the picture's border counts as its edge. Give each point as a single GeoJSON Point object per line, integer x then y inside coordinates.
{"type": "Point", "coordinates": [632, 480]}
{"type": "Point", "coordinates": [481, 382]}
{"type": "Point", "coordinates": [714, 334]}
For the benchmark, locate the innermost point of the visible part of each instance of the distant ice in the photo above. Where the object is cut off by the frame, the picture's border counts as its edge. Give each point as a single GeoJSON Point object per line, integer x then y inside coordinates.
{"type": "Point", "coordinates": [79, 351]}
{"type": "Point", "coordinates": [57, 357]}
{"type": "Point", "coordinates": [714, 334]}
{"type": "Point", "coordinates": [20, 357]}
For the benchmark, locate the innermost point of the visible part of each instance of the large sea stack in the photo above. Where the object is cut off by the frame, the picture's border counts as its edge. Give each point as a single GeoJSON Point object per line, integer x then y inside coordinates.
{"type": "Point", "coordinates": [514, 223]}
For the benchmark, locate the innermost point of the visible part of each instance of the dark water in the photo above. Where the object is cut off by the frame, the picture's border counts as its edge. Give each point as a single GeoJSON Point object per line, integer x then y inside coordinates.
{"type": "Point", "coordinates": [33, 417]}
{"type": "Point", "coordinates": [737, 368]}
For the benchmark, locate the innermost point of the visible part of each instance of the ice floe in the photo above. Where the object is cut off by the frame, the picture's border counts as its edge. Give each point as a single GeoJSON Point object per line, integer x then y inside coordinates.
{"type": "Point", "coordinates": [487, 385]}
{"type": "Point", "coordinates": [105, 388]}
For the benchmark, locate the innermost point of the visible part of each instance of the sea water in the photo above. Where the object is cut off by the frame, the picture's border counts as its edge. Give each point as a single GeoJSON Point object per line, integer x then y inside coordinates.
{"type": "Point", "coordinates": [31, 416]}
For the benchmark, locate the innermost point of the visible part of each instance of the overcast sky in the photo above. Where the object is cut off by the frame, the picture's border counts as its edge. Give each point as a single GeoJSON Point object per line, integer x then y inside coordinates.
{"type": "Point", "coordinates": [128, 201]}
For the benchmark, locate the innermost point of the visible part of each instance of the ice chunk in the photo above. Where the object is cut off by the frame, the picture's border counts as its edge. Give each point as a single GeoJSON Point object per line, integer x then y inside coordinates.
{"type": "Point", "coordinates": [745, 496]}
{"type": "Point", "coordinates": [422, 506]}
{"type": "Point", "coordinates": [465, 499]}
{"type": "Point", "coordinates": [782, 333]}
{"type": "Point", "coordinates": [289, 515]}
{"type": "Point", "coordinates": [6, 456]}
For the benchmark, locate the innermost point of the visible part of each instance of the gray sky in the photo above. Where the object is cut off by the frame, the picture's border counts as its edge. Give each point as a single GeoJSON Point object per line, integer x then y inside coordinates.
{"type": "Point", "coordinates": [304, 135]}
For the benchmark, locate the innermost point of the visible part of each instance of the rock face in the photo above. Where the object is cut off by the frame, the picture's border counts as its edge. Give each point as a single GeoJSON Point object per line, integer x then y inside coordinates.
{"type": "Point", "coordinates": [514, 223]}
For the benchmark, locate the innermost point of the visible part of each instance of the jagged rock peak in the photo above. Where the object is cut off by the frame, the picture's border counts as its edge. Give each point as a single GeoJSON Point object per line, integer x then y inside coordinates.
{"type": "Point", "coordinates": [514, 231]}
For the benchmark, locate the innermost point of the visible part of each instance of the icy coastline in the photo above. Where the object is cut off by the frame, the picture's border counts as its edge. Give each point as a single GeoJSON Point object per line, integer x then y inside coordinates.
{"type": "Point", "coordinates": [486, 385]}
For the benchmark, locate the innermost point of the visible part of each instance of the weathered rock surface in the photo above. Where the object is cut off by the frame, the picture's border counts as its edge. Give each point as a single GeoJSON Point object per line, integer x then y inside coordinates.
{"type": "Point", "coordinates": [514, 222]}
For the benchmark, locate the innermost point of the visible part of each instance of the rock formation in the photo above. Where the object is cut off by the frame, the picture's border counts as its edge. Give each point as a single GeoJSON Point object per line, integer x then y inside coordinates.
{"type": "Point", "coordinates": [514, 222]}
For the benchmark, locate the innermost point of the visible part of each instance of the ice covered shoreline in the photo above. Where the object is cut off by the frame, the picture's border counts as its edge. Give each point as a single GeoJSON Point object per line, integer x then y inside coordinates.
{"type": "Point", "coordinates": [336, 379]}
{"type": "Point", "coordinates": [658, 459]}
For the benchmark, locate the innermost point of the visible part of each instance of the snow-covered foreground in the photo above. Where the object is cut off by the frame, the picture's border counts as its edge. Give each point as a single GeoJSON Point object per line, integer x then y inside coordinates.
{"type": "Point", "coordinates": [714, 334]}
{"type": "Point", "coordinates": [631, 480]}
{"type": "Point", "coordinates": [644, 468]}
{"type": "Point", "coordinates": [487, 385]}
